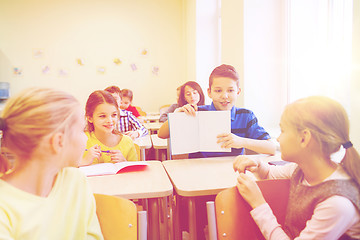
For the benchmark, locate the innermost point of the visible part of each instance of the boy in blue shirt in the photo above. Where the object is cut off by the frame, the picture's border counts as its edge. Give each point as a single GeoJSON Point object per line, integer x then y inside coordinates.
{"type": "Point", "coordinates": [224, 88]}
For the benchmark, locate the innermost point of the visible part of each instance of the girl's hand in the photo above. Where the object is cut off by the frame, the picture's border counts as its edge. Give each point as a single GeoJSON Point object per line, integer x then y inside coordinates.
{"type": "Point", "coordinates": [133, 134]}
{"type": "Point", "coordinates": [189, 109]}
{"type": "Point", "coordinates": [116, 156]}
{"type": "Point", "coordinates": [249, 190]}
{"type": "Point", "coordinates": [94, 152]}
{"type": "Point", "coordinates": [229, 140]}
{"type": "Point", "coordinates": [242, 163]}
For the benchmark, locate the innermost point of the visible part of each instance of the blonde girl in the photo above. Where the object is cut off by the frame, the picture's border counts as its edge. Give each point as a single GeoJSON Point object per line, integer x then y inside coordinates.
{"type": "Point", "coordinates": [43, 194]}
{"type": "Point", "coordinates": [105, 143]}
{"type": "Point", "coordinates": [324, 197]}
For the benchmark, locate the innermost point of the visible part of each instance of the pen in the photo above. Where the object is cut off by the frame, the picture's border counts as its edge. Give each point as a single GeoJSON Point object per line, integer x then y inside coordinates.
{"type": "Point", "coordinates": [108, 151]}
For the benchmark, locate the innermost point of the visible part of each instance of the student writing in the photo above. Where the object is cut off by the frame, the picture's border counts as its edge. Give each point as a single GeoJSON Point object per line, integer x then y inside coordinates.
{"type": "Point", "coordinates": [43, 194]}
{"type": "Point", "coordinates": [324, 200]}
{"type": "Point", "coordinates": [102, 114]}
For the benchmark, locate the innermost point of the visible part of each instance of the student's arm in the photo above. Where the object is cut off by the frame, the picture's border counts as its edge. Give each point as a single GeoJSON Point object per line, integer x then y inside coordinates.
{"type": "Point", "coordinates": [164, 130]}
{"type": "Point", "coordinates": [331, 219]}
{"type": "Point", "coordinates": [260, 146]}
{"type": "Point", "coordinates": [136, 125]}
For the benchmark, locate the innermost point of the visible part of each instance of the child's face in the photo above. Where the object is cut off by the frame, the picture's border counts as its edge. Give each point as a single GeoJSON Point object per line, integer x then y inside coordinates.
{"type": "Point", "coordinates": [191, 95]}
{"type": "Point", "coordinates": [289, 141]}
{"type": "Point", "coordinates": [117, 98]}
{"type": "Point", "coordinates": [224, 92]}
{"type": "Point", "coordinates": [125, 103]}
{"type": "Point", "coordinates": [105, 117]}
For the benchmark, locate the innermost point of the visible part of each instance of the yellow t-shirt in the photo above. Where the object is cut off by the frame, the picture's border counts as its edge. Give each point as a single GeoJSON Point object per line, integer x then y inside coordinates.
{"type": "Point", "coordinates": [126, 146]}
{"type": "Point", "coordinates": [69, 212]}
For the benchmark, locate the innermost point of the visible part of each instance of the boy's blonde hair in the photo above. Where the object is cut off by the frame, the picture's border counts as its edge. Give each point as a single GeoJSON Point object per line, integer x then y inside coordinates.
{"type": "Point", "coordinates": [31, 116]}
{"type": "Point", "coordinates": [328, 122]}
{"type": "Point", "coordinates": [224, 70]}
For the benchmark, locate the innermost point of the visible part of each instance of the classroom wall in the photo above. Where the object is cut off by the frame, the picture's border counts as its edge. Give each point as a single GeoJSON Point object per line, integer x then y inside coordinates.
{"type": "Point", "coordinates": [45, 38]}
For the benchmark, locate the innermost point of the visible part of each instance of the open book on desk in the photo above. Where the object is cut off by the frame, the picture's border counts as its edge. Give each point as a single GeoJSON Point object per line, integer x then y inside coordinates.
{"type": "Point", "coordinates": [112, 168]}
{"type": "Point", "coordinates": [190, 134]}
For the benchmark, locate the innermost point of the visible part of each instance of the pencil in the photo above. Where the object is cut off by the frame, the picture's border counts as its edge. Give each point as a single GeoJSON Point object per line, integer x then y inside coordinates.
{"type": "Point", "coordinates": [107, 151]}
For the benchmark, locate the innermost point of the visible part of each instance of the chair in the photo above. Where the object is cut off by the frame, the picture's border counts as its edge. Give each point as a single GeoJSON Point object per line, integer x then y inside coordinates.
{"type": "Point", "coordinates": [141, 112]}
{"type": "Point", "coordinates": [229, 217]}
{"type": "Point", "coordinates": [119, 218]}
{"type": "Point", "coordinates": [164, 108]}
{"type": "Point", "coordinates": [138, 152]}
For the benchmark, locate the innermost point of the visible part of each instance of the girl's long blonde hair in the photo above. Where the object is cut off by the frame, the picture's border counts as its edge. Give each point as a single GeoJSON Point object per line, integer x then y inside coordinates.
{"type": "Point", "coordinates": [329, 124]}
{"type": "Point", "coordinates": [32, 115]}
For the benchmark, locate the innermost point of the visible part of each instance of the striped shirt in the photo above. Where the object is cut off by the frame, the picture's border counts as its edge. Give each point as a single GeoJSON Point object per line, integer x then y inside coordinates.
{"type": "Point", "coordinates": [128, 122]}
{"type": "Point", "coordinates": [243, 124]}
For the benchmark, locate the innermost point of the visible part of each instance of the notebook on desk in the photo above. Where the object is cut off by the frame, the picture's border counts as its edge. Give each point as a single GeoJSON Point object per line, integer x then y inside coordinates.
{"type": "Point", "coordinates": [113, 168]}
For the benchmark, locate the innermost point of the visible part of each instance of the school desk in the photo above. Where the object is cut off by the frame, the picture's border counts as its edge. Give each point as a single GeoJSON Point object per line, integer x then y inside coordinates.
{"type": "Point", "coordinates": [152, 118]}
{"type": "Point", "coordinates": [153, 127]}
{"type": "Point", "coordinates": [199, 177]}
{"type": "Point", "coordinates": [152, 184]}
{"type": "Point", "coordinates": [161, 147]}
{"type": "Point", "coordinates": [143, 142]}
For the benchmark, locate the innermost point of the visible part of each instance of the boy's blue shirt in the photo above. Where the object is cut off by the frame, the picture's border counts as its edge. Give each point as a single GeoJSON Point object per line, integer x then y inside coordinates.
{"type": "Point", "coordinates": [243, 124]}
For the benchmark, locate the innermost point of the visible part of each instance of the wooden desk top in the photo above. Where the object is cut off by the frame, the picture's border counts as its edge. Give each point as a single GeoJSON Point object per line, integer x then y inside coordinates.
{"type": "Point", "coordinates": [152, 182]}
{"type": "Point", "coordinates": [159, 143]}
{"type": "Point", "coordinates": [203, 176]}
{"type": "Point", "coordinates": [144, 142]}
{"type": "Point", "coordinates": [153, 125]}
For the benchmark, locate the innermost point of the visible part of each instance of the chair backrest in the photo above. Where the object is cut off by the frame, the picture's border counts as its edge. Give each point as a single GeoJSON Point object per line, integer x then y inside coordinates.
{"type": "Point", "coordinates": [117, 217]}
{"type": "Point", "coordinates": [138, 151]}
{"type": "Point", "coordinates": [141, 112]}
{"type": "Point", "coordinates": [164, 108]}
{"type": "Point", "coordinates": [232, 212]}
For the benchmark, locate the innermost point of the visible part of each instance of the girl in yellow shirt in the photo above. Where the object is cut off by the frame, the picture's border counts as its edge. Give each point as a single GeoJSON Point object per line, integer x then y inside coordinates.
{"type": "Point", "coordinates": [105, 142]}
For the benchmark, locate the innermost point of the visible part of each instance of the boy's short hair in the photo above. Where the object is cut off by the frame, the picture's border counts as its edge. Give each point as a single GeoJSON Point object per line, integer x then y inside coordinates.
{"type": "Point", "coordinates": [127, 93]}
{"type": "Point", "coordinates": [224, 70]}
{"type": "Point", "coordinates": [113, 89]}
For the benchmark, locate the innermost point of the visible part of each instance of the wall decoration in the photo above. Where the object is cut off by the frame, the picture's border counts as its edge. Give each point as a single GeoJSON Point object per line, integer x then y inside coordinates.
{"type": "Point", "coordinates": [63, 73]}
{"type": "Point", "coordinates": [80, 61]}
{"type": "Point", "coordinates": [17, 71]}
{"type": "Point", "coordinates": [101, 70]}
{"type": "Point", "coordinates": [38, 53]}
{"type": "Point", "coordinates": [155, 70]}
{"type": "Point", "coordinates": [144, 52]}
{"type": "Point", "coordinates": [45, 69]}
{"type": "Point", "coordinates": [117, 61]}
{"type": "Point", "coordinates": [133, 67]}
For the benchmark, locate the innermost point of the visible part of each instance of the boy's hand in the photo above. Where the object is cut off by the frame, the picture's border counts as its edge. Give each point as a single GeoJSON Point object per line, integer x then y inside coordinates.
{"type": "Point", "coordinates": [229, 140]}
{"type": "Point", "coordinates": [132, 134]}
{"type": "Point", "coordinates": [189, 109]}
{"type": "Point", "coordinates": [249, 190]}
{"type": "Point", "coordinates": [116, 156]}
{"type": "Point", "coordinates": [242, 163]}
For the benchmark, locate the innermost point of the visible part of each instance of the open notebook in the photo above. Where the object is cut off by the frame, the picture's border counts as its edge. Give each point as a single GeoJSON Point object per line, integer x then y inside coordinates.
{"type": "Point", "coordinates": [190, 134]}
{"type": "Point", "coordinates": [113, 168]}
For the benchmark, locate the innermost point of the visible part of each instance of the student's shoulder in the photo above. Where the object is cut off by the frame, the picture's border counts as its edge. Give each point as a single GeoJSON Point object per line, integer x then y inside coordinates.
{"type": "Point", "coordinates": [72, 174]}
{"type": "Point", "coordinates": [239, 111]}
{"type": "Point", "coordinates": [126, 139]}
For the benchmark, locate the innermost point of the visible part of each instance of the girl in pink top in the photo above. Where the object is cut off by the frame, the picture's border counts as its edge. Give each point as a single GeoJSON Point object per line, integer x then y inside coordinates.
{"type": "Point", "coordinates": [324, 197]}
